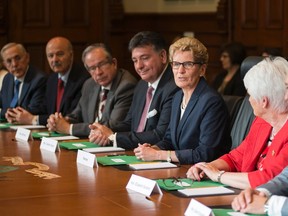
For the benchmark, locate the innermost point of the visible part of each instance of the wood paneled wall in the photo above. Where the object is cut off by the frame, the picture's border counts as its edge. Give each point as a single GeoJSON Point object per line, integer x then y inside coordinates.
{"type": "Point", "coordinates": [255, 23]}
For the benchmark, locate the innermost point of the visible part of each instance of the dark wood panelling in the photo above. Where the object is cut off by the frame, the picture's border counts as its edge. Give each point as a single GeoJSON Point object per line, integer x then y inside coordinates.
{"type": "Point", "coordinates": [36, 13]}
{"type": "Point", "coordinates": [274, 14]}
{"type": "Point", "coordinates": [75, 14]}
{"type": "Point", "coordinates": [249, 13]}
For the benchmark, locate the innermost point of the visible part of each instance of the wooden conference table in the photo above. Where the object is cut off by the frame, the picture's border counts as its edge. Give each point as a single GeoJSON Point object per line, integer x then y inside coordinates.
{"type": "Point", "coordinates": [67, 188]}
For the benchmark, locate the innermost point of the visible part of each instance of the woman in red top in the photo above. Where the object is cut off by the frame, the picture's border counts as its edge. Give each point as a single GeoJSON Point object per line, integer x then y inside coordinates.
{"type": "Point", "coordinates": [264, 152]}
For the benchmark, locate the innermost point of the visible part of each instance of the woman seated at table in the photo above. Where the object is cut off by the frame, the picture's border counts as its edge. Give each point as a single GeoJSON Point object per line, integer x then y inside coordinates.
{"type": "Point", "coordinates": [199, 125]}
{"type": "Point", "coordinates": [264, 152]}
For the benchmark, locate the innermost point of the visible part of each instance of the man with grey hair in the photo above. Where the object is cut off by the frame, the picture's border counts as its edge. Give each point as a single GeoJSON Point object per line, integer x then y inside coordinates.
{"type": "Point", "coordinates": [106, 96]}
{"type": "Point", "coordinates": [24, 85]}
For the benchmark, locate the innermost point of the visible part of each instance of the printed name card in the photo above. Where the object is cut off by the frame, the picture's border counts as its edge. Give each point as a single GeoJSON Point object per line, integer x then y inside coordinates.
{"type": "Point", "coordinates": [196, 208]}
{"type": "Point", "coordinates": [86, 158]}
{"type": "Point", "coordinates": [49, 144]}
{"type": "Point", "coordinates": [143, 185]}
{"type": "Point", "coordinates": [22, 134]}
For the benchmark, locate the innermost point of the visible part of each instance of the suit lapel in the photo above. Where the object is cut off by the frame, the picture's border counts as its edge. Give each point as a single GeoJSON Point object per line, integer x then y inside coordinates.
{"type": "Point", "coordinates": [92, 107]}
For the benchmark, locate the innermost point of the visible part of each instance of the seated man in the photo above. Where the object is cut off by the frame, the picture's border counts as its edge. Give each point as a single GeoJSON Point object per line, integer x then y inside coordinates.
{"type": "Point", "coordinates": [147, 120]}
{"type": "Point", "coordinates": [106, 96]}
{"type": "Point", "coordinates": [271, 198]}
{"type": "Point", "coordinates": [24, 85]}
{"type": "Point", "coordinates": [63, 89]}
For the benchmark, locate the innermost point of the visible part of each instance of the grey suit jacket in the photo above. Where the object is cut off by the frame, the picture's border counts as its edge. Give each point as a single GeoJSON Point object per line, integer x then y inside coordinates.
{"type": "Point", "coordinates": [279, 186]}
{"type": "Point", "coordinates": [117, 105]}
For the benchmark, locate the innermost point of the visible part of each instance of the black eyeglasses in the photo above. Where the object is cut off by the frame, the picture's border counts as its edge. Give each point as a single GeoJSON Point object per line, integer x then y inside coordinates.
{"type": "Point", "coordinates": [100, 66]}
{"type": "Point", "coordinates": [174, 181]}
{"type": "Point", "coordinates": [186, 65]}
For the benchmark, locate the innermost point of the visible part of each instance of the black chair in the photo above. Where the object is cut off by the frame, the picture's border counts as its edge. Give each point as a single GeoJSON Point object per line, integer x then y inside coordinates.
{"type": "Point", "coordinates": [245, 115]}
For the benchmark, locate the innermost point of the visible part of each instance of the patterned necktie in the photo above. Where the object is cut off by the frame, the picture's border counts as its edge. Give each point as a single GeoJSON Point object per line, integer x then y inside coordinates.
{"type": "Point", "coordinates": [60, 91]}
{"type": "Point", "coordinates": [14, 101]}
{"type": "Point", "coordinates": [143, 119]}
{"type": "Point", "coordinates": [102, 102]}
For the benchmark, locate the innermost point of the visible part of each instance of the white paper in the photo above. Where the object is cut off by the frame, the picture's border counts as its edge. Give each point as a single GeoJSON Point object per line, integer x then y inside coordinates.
{"type": "Point", "coordinates": [65, 138]}
{"type": "Point", "coordinates": [152, 165]}
{"type": "Point", "coordinates": [206, 191]}
{"type": "Point", "coordinates": [22, 134]}
{"type": "Point", "coordinates": [15, 127]}
{"type": "Point", "coordinates": [236, 214]}
{"type": "Point", "coordinates": [86, 159]}
{"type": "Point", "coordinates": [103, 149]}
{"type": "Point", "coordinates": [143, 185]}
{"type": "Point", "coordinates": [49, 144]}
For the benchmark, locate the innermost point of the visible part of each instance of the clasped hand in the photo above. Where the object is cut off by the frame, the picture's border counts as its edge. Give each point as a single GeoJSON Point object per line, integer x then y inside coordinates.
{"type": "Point", "coordinates": [99, 134]}
{"type": "Point", "coordinates": [145, 152]}
{"type": "Point", "coordinates": [202, 169]}
{"type": "Point", "coordinates": [56, 122]}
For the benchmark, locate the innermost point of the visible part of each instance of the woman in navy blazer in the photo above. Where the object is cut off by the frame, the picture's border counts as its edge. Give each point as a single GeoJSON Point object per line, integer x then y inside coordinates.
{"type": "Point", "coordinates": [199, 125]}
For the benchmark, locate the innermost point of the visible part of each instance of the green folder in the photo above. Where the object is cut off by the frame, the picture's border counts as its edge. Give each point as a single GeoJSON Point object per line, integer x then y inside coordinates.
{"type": "Point", "coordinates": [118, 160]}
{"type": "Point", "coordinates": [73, 145]}
{"type": "Point", "coordinates": [39, 135]}
{"type": "Point", "coordinates": [224, 212]}
{"type": "Point", "coordinates": [5, 125]}
{"type": "Point", "coordinates": [171, 184]}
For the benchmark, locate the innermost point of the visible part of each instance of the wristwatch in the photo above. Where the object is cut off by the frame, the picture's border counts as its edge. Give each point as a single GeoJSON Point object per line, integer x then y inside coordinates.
{"type": "Point", "coordinates": [169, 159]}
{"type": "Point", "coordinates": [219, 175]}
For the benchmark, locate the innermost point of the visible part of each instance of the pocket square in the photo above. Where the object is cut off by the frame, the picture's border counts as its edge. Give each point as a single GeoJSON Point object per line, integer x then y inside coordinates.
{"type": "Point", "coordinates": [152, 113]}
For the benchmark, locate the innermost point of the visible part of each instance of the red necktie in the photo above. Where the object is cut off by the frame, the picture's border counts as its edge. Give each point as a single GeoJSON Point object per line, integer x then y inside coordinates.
{"type": "Point", "coordinates": [60, 91]}
{"type": "Point", "coordinates": [143, 119]}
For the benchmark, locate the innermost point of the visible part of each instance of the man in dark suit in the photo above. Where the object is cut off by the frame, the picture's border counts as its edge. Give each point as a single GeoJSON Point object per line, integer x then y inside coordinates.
{"type": "Point", "coordinates": [66, 74]}
{"type": "Point", "coordinates": [118, 84]}
{"type": "Point", "coordinates": [145, 122]}
{"type": "Point", "coordinates": [23, 86]}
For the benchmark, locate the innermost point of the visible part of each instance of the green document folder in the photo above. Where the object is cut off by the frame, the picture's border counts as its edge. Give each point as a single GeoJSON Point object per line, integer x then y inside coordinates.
{"type": "Point", "coordinates": [171, 184]}
{"type": "Point", "coordinates": [77, 145]}
{"type": "Point", "coordinates": [118, 160]}
{"type": "Point", "coordinates": [5, 125]}
{"type": "Point", "coordinates": [224, 212]}
{"type": "Point", "coordinates": [39, 135]}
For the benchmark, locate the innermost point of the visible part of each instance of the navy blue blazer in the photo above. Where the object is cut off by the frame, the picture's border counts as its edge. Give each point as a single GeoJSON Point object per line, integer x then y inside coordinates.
{"type": "Point", "coordinates": [156, 125]}
{"type": "Point", "coordinates": [72, 92]}
{"type": "Point", "coordinates": [32, 94]}
{"type": "Point", "coordinates": [203, 132]}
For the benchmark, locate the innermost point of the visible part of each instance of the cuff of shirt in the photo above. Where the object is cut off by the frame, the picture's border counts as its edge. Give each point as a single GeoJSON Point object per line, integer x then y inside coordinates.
{"type": "Point", "coordinates": [265, 191]}
{"type": "Point", "coordinates": [35, 120]}
{"type": "Point", "coordinates": [112, 138]}
{"type": "Point", "coordinates": [71, 129]}
{"type": "Point", "coordinates": [275, 204]}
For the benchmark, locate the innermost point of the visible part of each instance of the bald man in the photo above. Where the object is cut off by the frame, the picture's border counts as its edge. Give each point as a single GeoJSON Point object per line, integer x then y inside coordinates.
{"type": "Point", "coordinates": [63, 89]}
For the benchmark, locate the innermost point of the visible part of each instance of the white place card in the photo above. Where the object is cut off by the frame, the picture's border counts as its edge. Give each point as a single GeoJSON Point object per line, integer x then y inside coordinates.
{"type": "Point", "coordinates": [196, 208]}
{"type": "Point", "coordinates": [49, 144]}
{"type": "Point", "coordinates": [86, 158]}
{"type": "Point", "coordinates": [143, 185]}
{"type": "Point", "coordinates": [22, 134]}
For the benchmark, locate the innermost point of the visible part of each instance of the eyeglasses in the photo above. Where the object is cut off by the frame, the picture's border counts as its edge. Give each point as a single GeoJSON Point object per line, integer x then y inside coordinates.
{"type": "Point", "coordinates": [186, 65]}
{"type": "Point", "coordinates": [99, 66]}
{"type": "Point", "coordinates": [17, 59]}
{"type": "Point", "coordinates": [174, 181]}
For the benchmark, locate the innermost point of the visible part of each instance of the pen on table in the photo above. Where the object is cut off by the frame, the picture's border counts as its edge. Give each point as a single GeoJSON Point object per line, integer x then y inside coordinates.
{"type": "Point", "coordinates": [112, 155]}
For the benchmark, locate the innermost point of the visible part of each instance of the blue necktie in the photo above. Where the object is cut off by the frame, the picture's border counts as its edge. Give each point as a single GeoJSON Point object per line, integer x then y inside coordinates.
{"type": "Point", "coordinates": [14, 101]}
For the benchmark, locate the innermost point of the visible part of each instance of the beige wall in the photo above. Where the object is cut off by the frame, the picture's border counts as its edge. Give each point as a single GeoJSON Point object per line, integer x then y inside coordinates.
{"type": "Point", "coordinates": [176, 6]}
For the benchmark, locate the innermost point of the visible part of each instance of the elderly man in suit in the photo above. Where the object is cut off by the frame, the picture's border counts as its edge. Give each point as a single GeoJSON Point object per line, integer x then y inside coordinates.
{"type": "Point", "coordinates": [147, 119]}
{"type": "Point", "coordinates": [106, 96]}
{"type": "Point", "coordinates": [271, 198]}
{"type": "Point", "coordinates": [24, 85]}
{"type": "Point", "coordinates": [64, 85]}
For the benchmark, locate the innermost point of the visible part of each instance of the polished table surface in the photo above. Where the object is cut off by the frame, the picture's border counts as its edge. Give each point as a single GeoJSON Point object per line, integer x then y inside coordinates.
{"type": "Point", "coordinates": [47, 183]}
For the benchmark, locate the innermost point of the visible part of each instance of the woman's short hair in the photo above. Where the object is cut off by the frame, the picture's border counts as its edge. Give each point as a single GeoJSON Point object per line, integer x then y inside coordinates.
{"type": "Point", "coordinates": [198, 50]}
{"type": "Point", "coordinates": [236, 52]}
{"type": "Point", "coordinates": [267, 79]}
